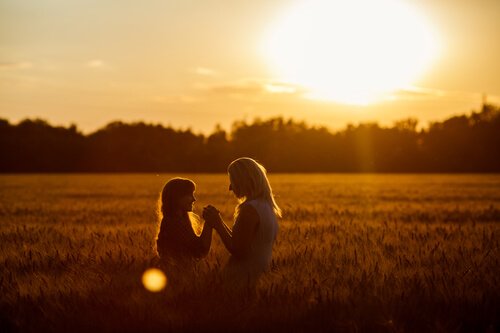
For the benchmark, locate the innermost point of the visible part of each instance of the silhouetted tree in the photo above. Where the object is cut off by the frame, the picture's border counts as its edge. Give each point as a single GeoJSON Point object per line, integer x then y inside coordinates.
{"type": "Point", "coordinates": [35, 146]}
{"type": "Point", "coordinates": [466, 143]}
{"type": "Point", "coordinates": [143, 148]}
{"type": "Point", "coordinates": [218, 151]}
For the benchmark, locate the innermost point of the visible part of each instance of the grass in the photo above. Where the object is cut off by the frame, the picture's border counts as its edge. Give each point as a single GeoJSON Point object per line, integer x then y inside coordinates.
{"type": "Point", "coordinates": [386, 253]}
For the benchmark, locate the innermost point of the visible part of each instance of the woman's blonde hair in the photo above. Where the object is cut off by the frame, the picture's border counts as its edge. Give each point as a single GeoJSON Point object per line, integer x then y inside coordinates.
{"type": "Point", "coordinates": [249, 181]}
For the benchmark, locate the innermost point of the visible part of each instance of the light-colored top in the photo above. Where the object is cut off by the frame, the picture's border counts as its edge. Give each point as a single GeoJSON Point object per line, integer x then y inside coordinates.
{"type": "Point", "coordinates": [259, 257]}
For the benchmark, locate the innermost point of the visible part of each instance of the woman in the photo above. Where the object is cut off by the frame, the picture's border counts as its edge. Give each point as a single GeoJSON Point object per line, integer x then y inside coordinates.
{"type": "Point", "coordinates": [251, 239]}
{"type": "Point", "coordinates": [176, 240]}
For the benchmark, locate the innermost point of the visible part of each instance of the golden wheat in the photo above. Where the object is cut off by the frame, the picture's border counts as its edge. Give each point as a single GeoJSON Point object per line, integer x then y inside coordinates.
{"type": "Point", "coordinates": [354, 252]}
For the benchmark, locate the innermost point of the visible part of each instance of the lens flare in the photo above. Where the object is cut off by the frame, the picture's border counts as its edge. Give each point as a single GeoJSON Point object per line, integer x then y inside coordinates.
{"type": "Point", "coordinates": [154, 280]}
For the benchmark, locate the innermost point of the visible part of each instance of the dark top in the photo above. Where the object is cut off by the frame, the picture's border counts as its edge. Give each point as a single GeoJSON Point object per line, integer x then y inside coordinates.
{"type": "Point", "coordinates": [177, 239]}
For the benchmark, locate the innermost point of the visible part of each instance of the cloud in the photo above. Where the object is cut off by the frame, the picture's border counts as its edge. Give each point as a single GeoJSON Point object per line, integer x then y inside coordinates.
{"type": "Point", "coordinates": [415, 93]}
{"type": "Point", "coordinates": [239, 88]}
{"type": "Point", "coordinates": [419, 93]}
{"type": "Point", "coordinates": [95, 63]}
{"type": "Point", "coordinates": [281, 88]}
{"type": "Point", "coordinates": [15, 65]}
{"type": "Point", "coordinates": [426, 94]}
{"type": "Point", "coordinates": [204, 71]}
{"type": "Point", "coordinates": [250, 88]}
{"type": "Point", "coordinates": [175, 99]}
{"type": "Point", "coordinates": [492, 99]}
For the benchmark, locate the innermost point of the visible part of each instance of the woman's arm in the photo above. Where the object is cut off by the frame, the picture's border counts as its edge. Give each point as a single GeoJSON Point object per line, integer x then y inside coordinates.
{"type": "Point", "coordinates": [237, 241]}
{"type": "Point", "coordinates": [244, 230]}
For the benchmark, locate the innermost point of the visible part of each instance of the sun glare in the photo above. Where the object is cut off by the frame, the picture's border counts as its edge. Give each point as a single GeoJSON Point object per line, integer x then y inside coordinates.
{"type": "Point", "coordinates": [154, 280]}
{"type": "Point", "coordinates": [351, 52]}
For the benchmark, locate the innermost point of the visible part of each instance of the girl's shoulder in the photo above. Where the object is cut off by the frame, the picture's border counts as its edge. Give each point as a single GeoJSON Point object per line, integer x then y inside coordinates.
{"type": "Point", "coordinates": [193, 217]}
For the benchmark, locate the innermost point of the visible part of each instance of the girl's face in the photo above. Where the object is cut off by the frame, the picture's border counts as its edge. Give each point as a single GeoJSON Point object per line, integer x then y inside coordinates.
{"type": "Point", "coordinates": [186, 202]}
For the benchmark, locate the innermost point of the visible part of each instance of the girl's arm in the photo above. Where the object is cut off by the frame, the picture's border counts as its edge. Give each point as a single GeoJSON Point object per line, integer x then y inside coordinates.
{"type": "Point", "coordinates": [205, 239]}
{"type": "Point", "coordinates": [182, 240]}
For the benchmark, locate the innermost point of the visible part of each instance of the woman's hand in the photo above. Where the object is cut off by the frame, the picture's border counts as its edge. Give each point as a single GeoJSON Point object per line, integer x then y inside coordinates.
{"type": "Point", "coordinates": [211, 215]}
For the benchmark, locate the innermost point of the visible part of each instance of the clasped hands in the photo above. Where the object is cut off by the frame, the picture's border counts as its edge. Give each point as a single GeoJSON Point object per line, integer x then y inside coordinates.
{"type": "Point", "coordinates": [212, 216]}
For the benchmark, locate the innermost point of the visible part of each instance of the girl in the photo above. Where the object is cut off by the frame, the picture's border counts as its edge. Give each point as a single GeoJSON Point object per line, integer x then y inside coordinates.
{"type": "Point", "coordinates": [176, 239]}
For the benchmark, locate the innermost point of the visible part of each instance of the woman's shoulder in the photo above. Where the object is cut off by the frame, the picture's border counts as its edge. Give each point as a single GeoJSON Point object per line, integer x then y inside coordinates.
{"type": "Point", "coordinates": [258, 204]}
{"type": "Point", "coordinates": [253, 209]}
{"type": "Point", "coordinates": [263, 208]}
{"type": "Point", "coordinates": [249, 205]}
{"type": "Point", "coordinates": [254, 205]}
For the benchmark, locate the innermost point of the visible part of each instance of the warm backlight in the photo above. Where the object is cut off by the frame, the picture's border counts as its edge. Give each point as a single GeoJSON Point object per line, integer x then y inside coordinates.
{"type": "Point", "coordinates": [154, 280]}
{"type": "Point", "coordinates": [352, 51]}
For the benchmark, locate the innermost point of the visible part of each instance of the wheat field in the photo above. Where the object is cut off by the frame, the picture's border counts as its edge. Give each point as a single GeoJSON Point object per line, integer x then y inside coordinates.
{"type": "Point", "coordinates": [369, 253]}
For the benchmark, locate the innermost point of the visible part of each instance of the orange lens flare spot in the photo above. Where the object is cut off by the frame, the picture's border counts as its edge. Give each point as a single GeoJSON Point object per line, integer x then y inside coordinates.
{"type": "Point", "coordinates": [154, 280]}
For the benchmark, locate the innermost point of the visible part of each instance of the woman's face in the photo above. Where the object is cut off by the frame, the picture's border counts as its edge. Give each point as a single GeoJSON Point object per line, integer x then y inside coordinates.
{"type": "Point", "coordinates": [186, 202]}
{"type": "Point", "coordinates": [234, 189]}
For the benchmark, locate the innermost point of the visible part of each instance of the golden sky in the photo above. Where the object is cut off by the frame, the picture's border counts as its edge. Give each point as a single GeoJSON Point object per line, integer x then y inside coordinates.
{"type": "Point", "coordinates": [198, 63]}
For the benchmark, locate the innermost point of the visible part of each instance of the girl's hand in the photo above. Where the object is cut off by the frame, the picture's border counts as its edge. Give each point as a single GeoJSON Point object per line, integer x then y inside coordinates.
{"type": "Point", "coordinates": [211, 215]}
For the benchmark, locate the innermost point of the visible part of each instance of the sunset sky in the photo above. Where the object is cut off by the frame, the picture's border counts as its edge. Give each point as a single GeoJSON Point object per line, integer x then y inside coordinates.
{"type": "Point", "coordinates": [198, 63]}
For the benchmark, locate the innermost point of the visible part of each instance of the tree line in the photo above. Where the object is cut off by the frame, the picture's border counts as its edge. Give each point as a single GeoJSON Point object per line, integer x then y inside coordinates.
{"type": "Point", "coordinates": [466, 143]}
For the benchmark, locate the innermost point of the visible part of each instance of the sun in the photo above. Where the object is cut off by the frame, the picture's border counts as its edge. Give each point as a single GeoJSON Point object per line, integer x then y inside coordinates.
{"type": "Point", "coordinates": [352, 52]}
